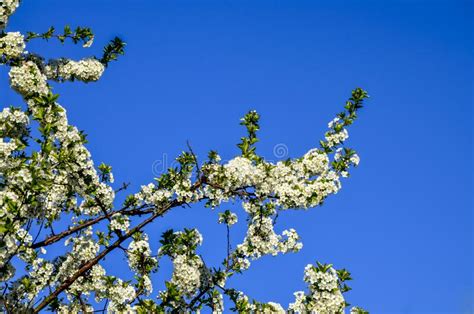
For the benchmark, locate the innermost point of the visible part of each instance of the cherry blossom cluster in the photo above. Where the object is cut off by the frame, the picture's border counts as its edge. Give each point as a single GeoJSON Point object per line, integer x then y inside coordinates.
{"type": "Point", "coordinates": [141, 262]}
{"type": "Point", "coordinates": [7, 8]}
{"type": "Point", "coordinates": [262, 240]}
{"type": "Point", "coordinates": [14, 125]}
{"type": "Point", "coordinates": [243, 304]}
{"type": "Point", "coordinates": [229, 218]}
{"type": "Point", "coordinates": [189, 272]}
{"type": "Point", "coordinates": [325, 291]}
{"type": "Point", "coordinates": [12, 45]}
{"type": "Point", "coordinates": [326, 287]}
{"type": "Point", "coordinates": [28, 80]}
{"type": "Point", "coordinates": [52, 194]}
{"type": "Point", "coordinates": [119, 222]}
{"type": "Point", "coordinates": [87, 70]}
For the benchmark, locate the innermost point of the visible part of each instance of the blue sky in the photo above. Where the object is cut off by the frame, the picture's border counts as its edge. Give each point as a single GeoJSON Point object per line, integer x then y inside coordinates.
{"type": "Point", "coordinates": [402, 223]}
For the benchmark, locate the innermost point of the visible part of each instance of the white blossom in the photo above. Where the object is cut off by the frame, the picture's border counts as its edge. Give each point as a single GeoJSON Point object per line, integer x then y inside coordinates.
{"type": "Point", "coordinates": [86, 70]}
{"type": "Point", "coordinates": [28, 80]}
{"type": "Point", "coordinates": [336, 138]}
{"type": "Point", "coordinates": [355, 159]}
{"type": "Point", "coordinates": [119, 295]}
{"type": "Point", "coordinates": [187, 273]}
{"type": "Point", "coordinates": [324, 295]}
{"type": "Point", "coordinates": [7, 7]}
{"type": "Point", "coordinates": [276, 308]}
{"type": "Point", "coordinates": [12, 45]}
{"type": "Point", "coordinates": [228, 218]}
{"type": "Point", "coordinates": [119, 222]}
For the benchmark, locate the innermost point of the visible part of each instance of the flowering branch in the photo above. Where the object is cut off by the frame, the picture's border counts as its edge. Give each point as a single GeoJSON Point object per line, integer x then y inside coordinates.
{"type": "Point", "coordinates": [49, 176]}
{"type": "Point", "coordinates": [68, 282]}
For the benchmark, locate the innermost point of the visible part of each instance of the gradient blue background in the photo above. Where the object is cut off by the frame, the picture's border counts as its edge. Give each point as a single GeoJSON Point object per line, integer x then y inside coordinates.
{"type": "Point", "coordinates": [402, 224]}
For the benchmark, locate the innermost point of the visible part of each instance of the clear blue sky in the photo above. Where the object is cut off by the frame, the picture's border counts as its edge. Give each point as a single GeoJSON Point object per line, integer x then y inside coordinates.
{"type": "Point", "coordinates": [402, 224]}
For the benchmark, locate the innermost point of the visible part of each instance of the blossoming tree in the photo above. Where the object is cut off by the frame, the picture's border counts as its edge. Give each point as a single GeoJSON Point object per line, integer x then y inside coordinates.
{"type": "Point", "coordinates": [48, 180]}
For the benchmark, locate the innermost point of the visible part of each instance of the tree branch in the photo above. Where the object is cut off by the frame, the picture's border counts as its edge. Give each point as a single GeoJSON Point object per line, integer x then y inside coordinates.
{"type": "Point", "coordinates": [55, 238]}
{"type": "Point", "coordinates": [68, 282]}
